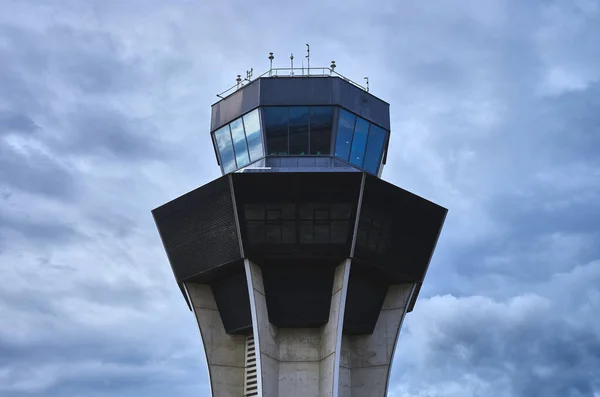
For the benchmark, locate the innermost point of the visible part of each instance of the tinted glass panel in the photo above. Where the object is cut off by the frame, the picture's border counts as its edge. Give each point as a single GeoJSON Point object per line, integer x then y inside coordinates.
{"type": "Point", "coordinates": [298, 130]}
{"type": "Point", "coordinates": [343, 139]}
{"type": "Point", "coordinates": [359, 142]}
{"type": "Point", "coordinates": [374, 149]}
{"type": "Point", "coordinates": [253, 135]}
{"type": "Point", "coordinates": [239, 143]}
{"type": "Point", "coordinates": [321, 119]}
{"type": "Point", "coordinates": [276, 129]}
{"type": "Point", "coordinates": [225, 147]}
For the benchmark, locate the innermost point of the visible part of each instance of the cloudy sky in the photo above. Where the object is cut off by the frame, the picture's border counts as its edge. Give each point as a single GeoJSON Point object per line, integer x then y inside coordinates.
{"type": "Point", "coordinates": [104, 115]}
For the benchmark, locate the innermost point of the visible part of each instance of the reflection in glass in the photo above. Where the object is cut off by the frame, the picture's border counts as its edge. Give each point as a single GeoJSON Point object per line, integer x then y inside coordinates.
{"type": "Point", "coordinates": [239, 143]}
{"type": "Point", "coordinates": [359, 142]}
{"type": "Point", "coordinates": [276, 129]}
{"type": "Point", "coordinates": [321, 118]}
{"type": "Point", "coordinates": [253, 135]}
{"type": "Point", "coordinates": [374, 149]}
{"type": "Point", "coordinates": [223, 138]}
{"type": "Point", "coordinates": [344, 134]}
{"type": "Point", "coordinates": [298, 130]}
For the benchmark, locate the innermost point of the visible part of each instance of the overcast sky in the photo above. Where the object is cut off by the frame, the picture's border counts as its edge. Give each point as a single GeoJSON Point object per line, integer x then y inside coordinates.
{"type": "Point", "coordinates": [104, 115]}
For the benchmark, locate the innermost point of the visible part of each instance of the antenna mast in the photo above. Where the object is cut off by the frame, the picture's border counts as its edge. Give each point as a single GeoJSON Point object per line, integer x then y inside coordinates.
{"type": "Point", "coordinates": [271, 57]}
{"type": "Point", "coordinates": [308, 59]}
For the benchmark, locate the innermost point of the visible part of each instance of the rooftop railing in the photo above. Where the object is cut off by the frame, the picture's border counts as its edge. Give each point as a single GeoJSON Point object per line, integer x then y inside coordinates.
{"type": "Point", "coordinates": [291, 73]}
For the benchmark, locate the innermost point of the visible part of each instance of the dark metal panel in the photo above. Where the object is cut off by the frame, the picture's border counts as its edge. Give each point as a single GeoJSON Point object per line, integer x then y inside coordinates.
{"type": "Point", "coordinates": [362, 103]}
{"type": "Point", "coordinates": [305, 91]}
{"type": "Point", "coordinates": [366, 293]}
{"type": "Point", "coordinates": [296, 214]}
{"type": "Point", "coordinates": [235, 105]}
{"type": "Point", "coordinates": [397, 230]}
{"type": "Point", "coordinates": [298, 293]}
{"type": "Point", "coordinates": [277, 91]}
{"type": "Point", "coordinates": [198, 229]}
{"type": "Point", "coordinates": [230, 290]}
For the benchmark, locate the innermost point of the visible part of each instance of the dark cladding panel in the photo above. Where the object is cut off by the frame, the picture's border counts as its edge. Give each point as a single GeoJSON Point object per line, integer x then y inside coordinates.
{"type": "Point", "coordinates": [366, 293]}
{"type": "Point", "coordinates": [235, 105]}
{"type": "Point", "coordinates": [286, 91]}
{"type": "Point", "coordinates": [397, 230]}
{"type": "Point", "coordinates": [298, 292]}
{"type": "Point", "coordinates": [362, 103]}
{"type": "Point", "coordinates": [199, 230]}
{"type": "Point", "coordinates": [230, 290]}
{"type": "Point", "coordinates": [297, 214]}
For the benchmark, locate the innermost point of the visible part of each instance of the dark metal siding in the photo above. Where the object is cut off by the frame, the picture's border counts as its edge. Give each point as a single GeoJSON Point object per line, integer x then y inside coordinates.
{"type": "Point", "coordinates": [198, 229]}
{"type": "Point", "coordinates": [298, 292]}
{"type": "Point", "coordinates": [292, 192]}
{"type": "Point", "coordinates": [362, 103]}
{"type": "Point", "coordinates": [235, 105]}
{"type": "Point", "coordinates": [231, 295]}
{"type": "Point", "coordinates": [397, 230]}
{"type": "Point", "coordinates": [366, 293]}
{"type": "Point", "coordinates": [288, 91]}
{"type": "Point", "coordinates": [306, 91]}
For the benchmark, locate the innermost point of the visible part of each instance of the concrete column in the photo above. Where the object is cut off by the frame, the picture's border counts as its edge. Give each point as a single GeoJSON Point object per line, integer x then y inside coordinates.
{"type": "Point", "coordinates": [332, 334]}
{"type": "Point", "coordinates": [297, 362]}
{"type": "Point", "coordinates": [225, 354]}
{"type": "Point", "coordinates": [265, 334]}
{"type": "Point", "coordinates": [366, 359]}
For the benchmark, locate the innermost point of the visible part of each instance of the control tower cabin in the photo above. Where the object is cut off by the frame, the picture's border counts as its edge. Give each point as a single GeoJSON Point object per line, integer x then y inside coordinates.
{"type": "Point", "coordinates": [299, 263]}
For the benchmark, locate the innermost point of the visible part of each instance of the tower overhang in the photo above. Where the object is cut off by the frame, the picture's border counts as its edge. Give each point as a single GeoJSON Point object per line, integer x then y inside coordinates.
{"type": "Point", "coordinates": [298, 227]}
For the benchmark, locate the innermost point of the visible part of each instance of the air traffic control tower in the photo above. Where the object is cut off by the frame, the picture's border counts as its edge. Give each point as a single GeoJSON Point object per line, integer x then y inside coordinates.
{"type": "Point", "coordinates": [299, 263]}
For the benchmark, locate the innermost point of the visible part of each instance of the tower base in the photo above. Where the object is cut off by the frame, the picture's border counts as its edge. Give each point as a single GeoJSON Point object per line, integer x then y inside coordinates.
{"type": "Point", "coordinates": [299, 362]}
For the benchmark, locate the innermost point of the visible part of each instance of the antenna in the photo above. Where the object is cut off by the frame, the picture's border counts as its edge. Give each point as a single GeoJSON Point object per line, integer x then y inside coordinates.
{"type": "Point", "coordinates": [367, 80]}
{"type": "Point", "coordinates": [308, 59]}
{"type": "Point", "coordinates": [249, 74]}
{"type": "Point", "coordinates": [332, 67]}
{"type": "Point", "coordinates": [292, 62]}
{"type": "Point", "coordinates": [271, 57]}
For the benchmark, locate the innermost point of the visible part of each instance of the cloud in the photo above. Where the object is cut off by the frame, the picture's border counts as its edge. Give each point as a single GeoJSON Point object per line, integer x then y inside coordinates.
{"type": "Point", "coordinates": [541, 343]}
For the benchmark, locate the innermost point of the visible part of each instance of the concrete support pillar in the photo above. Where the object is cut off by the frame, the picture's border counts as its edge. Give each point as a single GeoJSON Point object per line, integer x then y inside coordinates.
{"type": "Point", "coordinates": [297, 362]}
{"type": "Point", "coordinates": [332, 334]}
{"type": "Point", "coordinates": [265, 334]}
{"type": "Point", "coordinates": [366, 359]}
{"type": "Point", "coordinates": [311, 362]}
{"type": "Point", "coordinates": [225, 353]}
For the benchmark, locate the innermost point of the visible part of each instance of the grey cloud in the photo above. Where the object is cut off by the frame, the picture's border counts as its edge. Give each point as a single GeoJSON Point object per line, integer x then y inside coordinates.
{"type": "Point", "coordinates": [10, 122]}
{"type": "Point", "coordinates": [536, 342]}
{"type": "Point", "coordinates": [35, 172]}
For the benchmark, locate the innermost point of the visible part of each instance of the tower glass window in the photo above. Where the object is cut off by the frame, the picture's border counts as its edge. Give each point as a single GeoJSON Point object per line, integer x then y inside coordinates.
{"type": "Point", "coordinates": [321, 119]}
{"type": "Point", "coordinates": [345, 129]}
{"type": "Point", "coordinates": [276, 130]}
{"type": "Point", "coordinates": [298, 130]}
{"type": "Point", "coordinates": [253, 135]}
{"type": "Point", "coordinates": [359, 142]}
{"type": "Point", "coordinates": [375, 145]}
{"type": "Point", "coordinates": [239, 143]}
{"type": "Point", "coordinates": [223, 139]}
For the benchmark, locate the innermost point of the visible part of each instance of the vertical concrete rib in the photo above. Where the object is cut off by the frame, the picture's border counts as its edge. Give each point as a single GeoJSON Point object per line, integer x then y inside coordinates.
{"type": "Point", "coordinates": [331, 334]}
{"type": "Point", "coordinates": [225, 354]}
{"type": "Point", "coordinates": [406, 306]}
{"type": "Point", "coordinates": [257, 344]}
